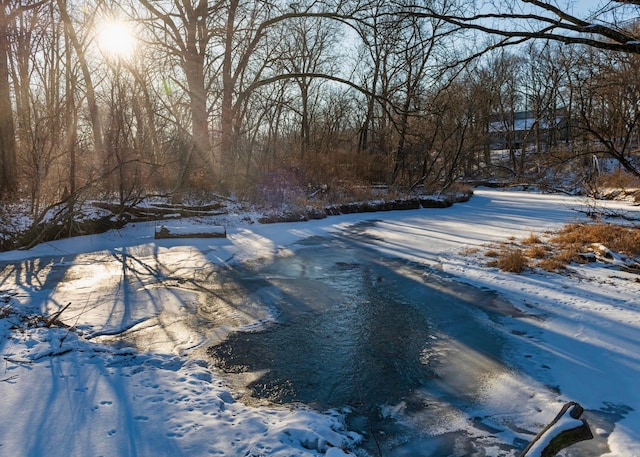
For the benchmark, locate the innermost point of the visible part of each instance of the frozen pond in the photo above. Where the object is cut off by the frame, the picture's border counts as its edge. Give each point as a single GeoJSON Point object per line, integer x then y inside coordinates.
{"type": "Point", "coordinates": [355, 318]}
{"type": "Point", "coordinates": [406, 351]}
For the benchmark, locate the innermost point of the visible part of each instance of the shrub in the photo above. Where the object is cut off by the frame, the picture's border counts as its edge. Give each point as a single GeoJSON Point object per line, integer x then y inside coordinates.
{"type": "Point", "coordinates": [619, 179]}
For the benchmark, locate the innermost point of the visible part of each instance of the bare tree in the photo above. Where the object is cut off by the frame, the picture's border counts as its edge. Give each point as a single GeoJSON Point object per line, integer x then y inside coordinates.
{"type": "Point", "coordinates": [608, 106]}
{"type": "Point", "coordinates": [183, 30]}
{"type": "Point", "coordinates": [249, 61]}
{"type": "Point", "coordinates": [305, 50]}
{"type": "Point", "coordinates": [515, 21]}
{"type": "Point", "coordinates": [419, 46]}
{"type": "Point", "coordinates": [376, 49]}
{"type": "Point", "coordinates": [9, 11]}
{"type": "Point", "coordinates": [80, 45]}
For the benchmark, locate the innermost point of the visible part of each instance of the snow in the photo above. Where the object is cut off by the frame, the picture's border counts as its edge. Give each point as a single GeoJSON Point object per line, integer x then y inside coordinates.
{"type": "Point", "coordinates": [79, 391]}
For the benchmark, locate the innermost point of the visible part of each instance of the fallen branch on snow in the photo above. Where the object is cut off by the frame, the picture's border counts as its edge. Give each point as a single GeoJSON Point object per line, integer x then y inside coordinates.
{"type": "Point", "coordinates": [54, 319]}
{"type": "Point", "coordinates": [565, 430]}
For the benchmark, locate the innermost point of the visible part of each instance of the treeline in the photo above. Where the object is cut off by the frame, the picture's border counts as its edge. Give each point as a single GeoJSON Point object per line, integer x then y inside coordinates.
{"type": "Point", "coordinates": [242, 96]}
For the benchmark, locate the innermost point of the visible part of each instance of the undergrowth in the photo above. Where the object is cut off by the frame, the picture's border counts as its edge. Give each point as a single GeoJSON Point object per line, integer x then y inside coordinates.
{"type": "Point", "coordinates": [574, 243]}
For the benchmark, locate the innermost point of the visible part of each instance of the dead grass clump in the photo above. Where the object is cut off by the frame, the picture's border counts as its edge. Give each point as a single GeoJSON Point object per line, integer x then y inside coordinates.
{"type": "Point", "coordinates": [532, 239]}
{"type": "Point", "coordinates": [512, 261]}
{"type": "Point", "coordinates": [572, 244]}
{"type": "Point", "coordinates": [568, 254]}
{"type": "Point", "coordinates": [551, 264]}
{"type": "Point", "coordinates": [538, 251]}
{"type": "Point", "coordinates": [470, 250]}
{"type": "Point", "coordinates": [622, 239]}
{"type": "Point", "coordinates": [492, 253]}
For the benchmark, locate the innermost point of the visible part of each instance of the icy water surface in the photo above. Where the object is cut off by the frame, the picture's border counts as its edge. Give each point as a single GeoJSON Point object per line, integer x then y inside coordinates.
{"type": "Point", "coordinates": [407, 353]}
{"type": "Point", "coordinates": [401, 347]}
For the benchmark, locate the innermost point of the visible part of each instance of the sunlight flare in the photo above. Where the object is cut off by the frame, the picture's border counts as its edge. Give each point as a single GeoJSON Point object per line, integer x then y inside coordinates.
{"type": "Point", "coordinates": [116, 39]}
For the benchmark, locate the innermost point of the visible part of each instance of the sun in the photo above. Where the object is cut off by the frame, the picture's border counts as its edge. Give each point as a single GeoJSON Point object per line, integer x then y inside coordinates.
{"type": "Point", "coordinates": [116, 40]}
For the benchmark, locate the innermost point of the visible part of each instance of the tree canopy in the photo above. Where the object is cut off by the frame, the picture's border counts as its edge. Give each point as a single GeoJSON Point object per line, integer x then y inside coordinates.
{"type": "Point", "coordinates": [248, 96]}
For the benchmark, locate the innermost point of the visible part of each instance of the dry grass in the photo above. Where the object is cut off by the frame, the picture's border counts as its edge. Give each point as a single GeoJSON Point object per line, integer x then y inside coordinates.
{"type": "Point", "coordinates": [551, 264]}
{"type": "Point", "coordinates": [618, 179]}
{"type": "Point", "coordinates": [470, 250]}
{"type": "Point", "coordinates": [553, 252]}
{"type": "Point", "coordinates": [512, 261]}
{"type": "Point", "coordinates": [532, 239]}
{"type": "Point", "coordinates": [507, 257]}
{"type": "Point", "coordinates": [560, 259]}
{"type": "Point", "coordinates": [618, 238]}
{"type": "Point", "coordinates": [538, 251]}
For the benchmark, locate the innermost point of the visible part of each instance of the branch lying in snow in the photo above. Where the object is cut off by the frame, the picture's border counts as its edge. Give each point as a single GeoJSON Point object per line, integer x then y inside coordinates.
{"type": "Point", "coordinates": [54, 319]}
{"type": "Point", "coordinates": [604, 254]}
{"type": "Point", "coordinates": [599, 214]}
{"type": "Point", "coordinates": [566, 429]}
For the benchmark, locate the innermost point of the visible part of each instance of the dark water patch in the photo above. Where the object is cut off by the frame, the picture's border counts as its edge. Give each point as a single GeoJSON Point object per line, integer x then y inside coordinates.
{"type": "Point", "coordinates": [402, 347]}
{"type": "Point", "coordinates": [358, 352]}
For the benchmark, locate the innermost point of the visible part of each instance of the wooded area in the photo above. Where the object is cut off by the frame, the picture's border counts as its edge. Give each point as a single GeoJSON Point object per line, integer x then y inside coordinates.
{"type": "Point", "coordinates": [117, 100]}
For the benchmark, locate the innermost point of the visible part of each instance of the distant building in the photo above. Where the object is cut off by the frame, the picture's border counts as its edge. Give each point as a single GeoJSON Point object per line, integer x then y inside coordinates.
{"type": "Point", "coordinates": [511, 130]}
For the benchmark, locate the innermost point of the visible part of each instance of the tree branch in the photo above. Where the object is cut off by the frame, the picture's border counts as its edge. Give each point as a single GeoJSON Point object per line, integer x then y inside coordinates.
{"type": "Point", "coordinates": [566, 429]}
{"type": "Point", "coordinates": [561, 26]}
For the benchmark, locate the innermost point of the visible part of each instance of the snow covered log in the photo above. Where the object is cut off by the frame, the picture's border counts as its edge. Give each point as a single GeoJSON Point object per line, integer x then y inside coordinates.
{"type": "Point", "coordinates": [191, 231]}
{"type": "Point", "coordinates": [566, 429]}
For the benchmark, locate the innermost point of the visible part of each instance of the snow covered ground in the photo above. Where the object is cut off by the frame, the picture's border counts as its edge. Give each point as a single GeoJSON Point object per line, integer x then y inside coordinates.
{"type": "Point", "coordinates": [76, 392]}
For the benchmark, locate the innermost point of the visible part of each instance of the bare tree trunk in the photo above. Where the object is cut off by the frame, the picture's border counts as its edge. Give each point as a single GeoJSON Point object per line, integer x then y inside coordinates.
{"type": "Point", "coordinates": [227, 112]}
{"type": "Point", "coordinates": [8, 160]}
{"type": "Point", "coordinates": [196, 39]}
{"type": "Point", "coordinates": [198, 103]}
{"type": "Point", "coordinates": [305, 130]}
{"type": "Point", "coordinates": [400, 158]}
{"type": "Point", "coordinates": [86, 74]}
{"type": "Point", "coordinates": [71, 120]}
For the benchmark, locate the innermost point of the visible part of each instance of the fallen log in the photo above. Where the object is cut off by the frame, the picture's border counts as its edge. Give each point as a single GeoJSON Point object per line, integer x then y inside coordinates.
{"type": "Point", "coordinates": [565, 430]}
{"type": "Point", "coordinates": [193, 231]}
